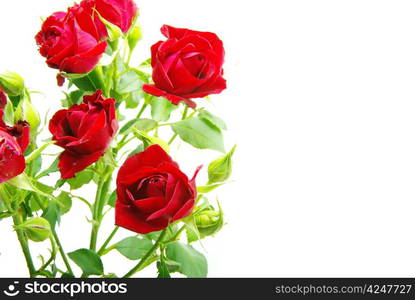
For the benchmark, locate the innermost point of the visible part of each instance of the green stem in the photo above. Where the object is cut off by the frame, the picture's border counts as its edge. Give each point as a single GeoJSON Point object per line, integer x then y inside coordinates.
{"type": "Point", "coordinates": [17, 220]}
{"type": "Point", "coordinates": [143, 108]}
{"type": "Point", "coordinates": [94, 231]}
{"type": "Point", "coordinates": [107, 241]}
{"type": "Point", "coordinates": [52, 256]}
{"type": "Point", "coordinates": [56, 238]}
{"type": "Point", "coordinates": [184, 116]}
{"type": "Point", "coordinates": [37, 152]}
{"type": "Point", "coordinates": [62, 252]}
{"type": "Point", "coordinates": [147, 255]}
{"type": "Point", "coordinates": [177, 235]}
{"type": "Point", "coordinates": [100, 201]}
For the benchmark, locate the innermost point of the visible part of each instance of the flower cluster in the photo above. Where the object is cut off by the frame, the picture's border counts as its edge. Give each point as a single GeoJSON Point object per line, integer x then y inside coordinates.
{"type": "Point", "coordinates": [151, 195]}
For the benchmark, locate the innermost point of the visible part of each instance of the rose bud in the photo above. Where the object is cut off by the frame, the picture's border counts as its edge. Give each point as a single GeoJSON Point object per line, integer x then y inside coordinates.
{"type": "Point", "coordinates": [37, 229]}
{"type": "Point", "coordinates": [187, 65]}
{"type": "Point", "coordinates": [11, 83]}
{"type": "Point", "coordinates": [134, 37]}
{"type": "Point", "coordinates": [152, 192]}
{"type": "Point", "coordinates": [118, 12]}
{"type": "Point", "coordinates": [13, 142]}
{"type": "Point", "coordinates": [84, 131]}
{"type": "Point", "coordinates": [69, 41]}
{"type": "Point", "coordinates": [209, 221]}
{"type": "Point", "coordinates": [220, 169]}
{"type": "Point", "coordinates": [3, 100]}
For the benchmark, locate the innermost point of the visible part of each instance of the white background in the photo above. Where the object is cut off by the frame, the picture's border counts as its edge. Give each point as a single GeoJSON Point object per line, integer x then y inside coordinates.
{"type": "Point", "coordinates": [320, 100]}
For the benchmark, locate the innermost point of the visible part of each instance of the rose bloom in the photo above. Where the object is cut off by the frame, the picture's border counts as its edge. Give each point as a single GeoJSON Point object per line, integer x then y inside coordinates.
{"type": "Point", "coordinates": [84, 131]}
{"type": "Point", "coordinates": [71, 41]}
{"type": "Point", "coordinates": [152, 192]}
{"type": "Point", "coordinates": [187, 65]}
{"type": "Point", "coordinates": [13, 142]}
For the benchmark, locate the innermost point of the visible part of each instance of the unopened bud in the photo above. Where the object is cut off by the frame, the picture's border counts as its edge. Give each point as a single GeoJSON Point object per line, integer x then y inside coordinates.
{"type": "Point", "coordinates": [209, 221]}
{"type": "Point", "coordinates": [134, 37]}
{"type": "Point", "coordinates": [37, 229]}
{"type": "Point", "coordinates": [220, 169]}
{"type": "Point", "coordinates": [12, 83]}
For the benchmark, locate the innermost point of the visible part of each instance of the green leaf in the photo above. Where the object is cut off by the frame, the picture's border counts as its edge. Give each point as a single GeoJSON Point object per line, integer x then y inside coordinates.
{"type": "Point", "coordinates": [208, 188]}
{"type": "Point", "coordinates": [192, 262]}
{"type": "Point", "coordinates": [161, 109]}
{"type": "Point", "coordinates": [84, 83]}
{"type": "Point", "coordinates": [23, 182]}
{"type": "Point", "coordinates": [133, 99]}
{"type": "Point", "coordinates": [65, 202]}
{"type": "Point", "coordinates": [89, 262]}
{"type": "Point", "coordinates": [200, 134]}
{"type": "Point", "coordinates": [73, 75]}
{"type": "Point", "coordinates": [163, 271]}
{"type": "Point", "coordinates": [214, 120]}
{"type": "Point", "coordinates": [75, 97]}
{"type": "Point", "coordinates": [112, 198]}
{"type": "Point", "coordinates": [80, 179]}
{"type": "Point", "coordinates": [5, 214]}
{"type": "Point", "coordinates": [34, 166]}
{"type": "Point", "coordinates": [140, 148]}
{"type": "Point", "coordinates": [140, 124]}
{"type": "Point", "coordinates": [128, 82]}
{"type": "Point", "coordinates": [52, 213]}
{"type": "Point", "coordinates": [150, 140]}
{"type": "Point", "coordinates": [133, 248]}
{"type": "Point", "coordinates": [51, 169]}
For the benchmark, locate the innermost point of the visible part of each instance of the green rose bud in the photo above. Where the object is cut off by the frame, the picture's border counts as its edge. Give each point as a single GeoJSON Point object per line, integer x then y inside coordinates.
{"type": "Point", "coordinates": [209, 221]}
{"type": "Point", "coordinates": [12, 84]}
{"type": "Point", "coordinates": [37, 229]}
{"type": "Point", "coordinates": [134, 37]}
{"type": "Point", "coordinates": [220, 169]}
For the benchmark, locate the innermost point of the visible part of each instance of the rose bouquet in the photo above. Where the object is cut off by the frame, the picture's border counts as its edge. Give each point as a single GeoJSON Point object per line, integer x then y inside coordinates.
{"type": "Point", "coordinates": [127, 158]}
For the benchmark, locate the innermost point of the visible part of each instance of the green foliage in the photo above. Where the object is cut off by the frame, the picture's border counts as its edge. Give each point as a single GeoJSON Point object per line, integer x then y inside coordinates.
{"type": "Point", "coordinates": [89, 262]}
{"type": "Point", "coordinates": [133, 247]}
{"type": "Point", "coordinates": [162, 269]}
{"type": "Point", "coordinates": [80, 179]}
{"type": "Point", "coordinates": [52, 213]}
{"type": "Point", "coordinates": [140, 124]}
{"type": "Point", "coordinates": [192, 262]}
{"type": "Point", "coordinates": [51, 169]}
{"type": "Point", "coordinates": [128, 82]}
{"type": "Point", "coordinates": [161, 109]}
{"type": "Point", "coordinates": [200, 134]}
{"type": "Point", "coordinates": [214, 120]}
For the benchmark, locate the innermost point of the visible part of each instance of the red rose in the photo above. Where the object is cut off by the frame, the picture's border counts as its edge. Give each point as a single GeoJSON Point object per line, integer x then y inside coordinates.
{"type": "Point", "coordinates": [118, 12]}
{"type": "Point", "coordinates": [84, 131]}
{"type": "Point", "coordinates": [71, 41]}
{"type": "Point", "coordinates": [152, 192]}
{"type": "Point", "coordinates": [13, 142]}
{"type": "Point", "coordinates": [187, 65]}
{"type": "Point", "coordinates": [3, 99]}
